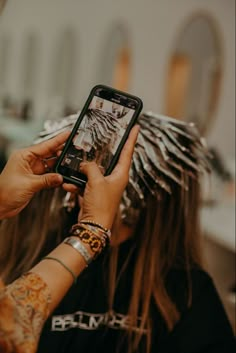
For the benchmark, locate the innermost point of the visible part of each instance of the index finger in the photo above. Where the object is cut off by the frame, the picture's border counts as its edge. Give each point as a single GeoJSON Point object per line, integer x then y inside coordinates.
{"type": "Point", "coordinates": [125, 159]}
{"type": "Point", "coordinates": [50, 147]}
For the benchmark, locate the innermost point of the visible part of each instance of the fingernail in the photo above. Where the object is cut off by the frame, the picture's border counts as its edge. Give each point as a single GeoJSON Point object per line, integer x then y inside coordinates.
{"type": "Point", "coordinates": [57, 180]}
{"type": "Point", "coordinates": [83, 164]}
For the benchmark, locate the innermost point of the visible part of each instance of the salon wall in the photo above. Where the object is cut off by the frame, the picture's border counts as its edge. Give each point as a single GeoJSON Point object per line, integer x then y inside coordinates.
{"type": "Point", "coordinates": [152, 26]}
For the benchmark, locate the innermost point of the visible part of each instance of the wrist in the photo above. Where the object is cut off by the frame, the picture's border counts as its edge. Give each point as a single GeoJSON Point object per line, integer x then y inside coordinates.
{"type": "Point", "coordinates": [96, 222]}
{"type": "Point", "coordinates": [70, 257]}
{"type": "Point", "coordinates": [82, 249]}
{"type": "Point", "coordinates": [93, 236]}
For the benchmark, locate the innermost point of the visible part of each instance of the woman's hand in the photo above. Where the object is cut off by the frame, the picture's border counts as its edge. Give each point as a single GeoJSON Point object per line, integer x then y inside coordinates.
{"type": "Point", "coordinates": [102, 195]}
{"type": "Point", "coordinates": [25, 174]}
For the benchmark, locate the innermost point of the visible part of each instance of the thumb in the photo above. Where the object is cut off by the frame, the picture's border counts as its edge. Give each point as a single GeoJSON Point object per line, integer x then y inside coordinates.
{"type": "Point", "coordinates": [47, 181]}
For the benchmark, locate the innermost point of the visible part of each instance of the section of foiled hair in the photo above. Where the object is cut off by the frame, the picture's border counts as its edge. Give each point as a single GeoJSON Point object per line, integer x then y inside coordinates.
{"type": "Point", "coordinates": [165, 151]}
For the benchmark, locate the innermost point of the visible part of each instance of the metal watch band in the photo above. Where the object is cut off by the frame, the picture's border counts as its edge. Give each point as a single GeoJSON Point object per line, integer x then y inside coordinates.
{"type": "Point", "coordinates": [77, 245]}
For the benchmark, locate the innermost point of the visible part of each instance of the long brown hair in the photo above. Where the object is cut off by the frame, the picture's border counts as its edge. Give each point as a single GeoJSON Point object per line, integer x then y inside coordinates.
{"type": "Point", "coordinates": [25, 238]}
{"type": "Point", "coordinates": [166, 237]}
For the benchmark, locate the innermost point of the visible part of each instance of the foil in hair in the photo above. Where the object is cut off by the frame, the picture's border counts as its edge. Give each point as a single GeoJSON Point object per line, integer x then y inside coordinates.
{"type": "Point", "coordinates": [165, 151]}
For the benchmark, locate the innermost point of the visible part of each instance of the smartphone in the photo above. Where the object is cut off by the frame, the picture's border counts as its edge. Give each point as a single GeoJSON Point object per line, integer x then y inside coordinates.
{"type": "Point", "coordinates": [99, 133]}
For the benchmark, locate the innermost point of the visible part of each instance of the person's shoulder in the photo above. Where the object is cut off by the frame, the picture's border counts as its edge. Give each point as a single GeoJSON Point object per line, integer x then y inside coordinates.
{"type": "Point", "coordinates": [200, 280]}
{"type": "Point", "coordinates": [197, 276]}
{"type": "Point", "coordinates": [180, 283]}
{"type": "Point", "coordinates": [203, 325]}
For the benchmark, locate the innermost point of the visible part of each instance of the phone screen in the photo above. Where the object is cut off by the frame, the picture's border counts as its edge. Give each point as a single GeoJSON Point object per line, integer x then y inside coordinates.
{"type": "Point", "coordinates": [100, 132]}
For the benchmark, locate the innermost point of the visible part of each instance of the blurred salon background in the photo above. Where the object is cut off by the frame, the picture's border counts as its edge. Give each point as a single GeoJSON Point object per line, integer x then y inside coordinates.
{"type": "Point", "coordinates": [177, 55]}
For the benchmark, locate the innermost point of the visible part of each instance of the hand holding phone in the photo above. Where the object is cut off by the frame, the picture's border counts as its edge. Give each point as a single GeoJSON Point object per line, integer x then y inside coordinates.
{"type": "Point", "coordinates": [99, 133]}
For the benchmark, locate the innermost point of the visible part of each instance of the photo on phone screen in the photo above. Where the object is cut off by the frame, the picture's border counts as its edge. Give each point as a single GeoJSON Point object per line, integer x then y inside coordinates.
{"type": "Point", "coordinates": [100, 132]}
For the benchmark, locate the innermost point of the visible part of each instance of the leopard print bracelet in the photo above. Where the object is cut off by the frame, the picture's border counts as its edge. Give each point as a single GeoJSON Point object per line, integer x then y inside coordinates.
{"type": "Point", "coordinates": [97, 231]}
{"type": "Point", "coordinates": [96, 243]}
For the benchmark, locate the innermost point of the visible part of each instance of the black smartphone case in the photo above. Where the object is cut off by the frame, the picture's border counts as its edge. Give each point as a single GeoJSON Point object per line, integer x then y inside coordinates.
{"type": "Point", "coordinates": [115, 158]}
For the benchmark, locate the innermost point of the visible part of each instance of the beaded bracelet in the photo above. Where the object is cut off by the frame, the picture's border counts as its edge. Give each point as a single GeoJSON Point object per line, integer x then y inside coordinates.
{"type": "Point", "coordinates": [93, 223]}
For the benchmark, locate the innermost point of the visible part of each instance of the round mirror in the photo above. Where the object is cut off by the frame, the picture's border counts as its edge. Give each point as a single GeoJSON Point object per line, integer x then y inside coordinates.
{"type": "Point", "coordinates": [116, 59]}
{"type": "Point", "coordinates": [194, 73]}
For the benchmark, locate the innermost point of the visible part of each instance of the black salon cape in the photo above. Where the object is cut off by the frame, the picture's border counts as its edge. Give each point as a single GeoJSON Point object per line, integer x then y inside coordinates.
{"type": "Point", "coordinates": [74, 327]}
